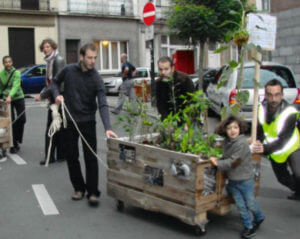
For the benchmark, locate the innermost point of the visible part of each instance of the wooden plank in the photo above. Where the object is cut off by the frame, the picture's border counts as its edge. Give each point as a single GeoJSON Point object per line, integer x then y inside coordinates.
{"type": "Point", "coordinates": [138, 167]}
{"type": "Point", "coordinates": [136, 181]}
{"type": "Point", "coordinates": [148, 202]}
{"type": "Point", "coordinates": [4, 123]}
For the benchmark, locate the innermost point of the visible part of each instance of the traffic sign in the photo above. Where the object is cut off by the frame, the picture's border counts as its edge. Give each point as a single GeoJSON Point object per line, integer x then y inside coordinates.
{"type": "Point", "coordinates": [149, 13]}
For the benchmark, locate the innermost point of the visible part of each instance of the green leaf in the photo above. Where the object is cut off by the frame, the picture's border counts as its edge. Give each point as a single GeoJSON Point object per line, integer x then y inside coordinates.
{"type": "Point", "coordinates": [223, 112]}
{"type": "Point", "coordinates": [221, 49]}
{"type": "Point", "coordinates": [243, 96]}
{"type": "Point", "coordinates": [233, 64]}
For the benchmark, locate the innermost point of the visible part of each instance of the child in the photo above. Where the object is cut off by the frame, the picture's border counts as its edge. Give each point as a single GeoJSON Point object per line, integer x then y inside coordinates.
{"type": "Point", "coordinates": [237, 162]}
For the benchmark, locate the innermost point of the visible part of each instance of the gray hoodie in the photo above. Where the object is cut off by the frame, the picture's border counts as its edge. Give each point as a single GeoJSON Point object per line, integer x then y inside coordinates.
{"type": "Point", "coordinates": [237, 159]}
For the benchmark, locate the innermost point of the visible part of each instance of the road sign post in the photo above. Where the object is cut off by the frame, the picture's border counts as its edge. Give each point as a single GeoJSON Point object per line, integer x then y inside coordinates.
{"type": "Point", "coordinates": [148, 19]}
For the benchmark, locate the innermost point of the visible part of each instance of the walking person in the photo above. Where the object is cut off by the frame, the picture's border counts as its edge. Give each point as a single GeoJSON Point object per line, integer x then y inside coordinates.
{"type": "Point", "coordinates": [278, 137]}
{"type": "Point", "coordinates": [170, 86]}
{"type": "Point", "coordinates": [11, 91]}
{"type": "Point", "coordinates": [127, 87]}
{"type": "Point", "coordinates": [237, 163]}
{"type": "Point", "coordinates": [82, 85]}
{"type": "Point", "coordinates": [55, 63]}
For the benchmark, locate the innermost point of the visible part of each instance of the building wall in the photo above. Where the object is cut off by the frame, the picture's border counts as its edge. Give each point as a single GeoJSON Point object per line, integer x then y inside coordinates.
{"type": "Point", "coordinates": [288, 37]}
{"type": "Point", "coordinates": [89, 29]}
{"type": "Point", "coordinates": [280, 5]}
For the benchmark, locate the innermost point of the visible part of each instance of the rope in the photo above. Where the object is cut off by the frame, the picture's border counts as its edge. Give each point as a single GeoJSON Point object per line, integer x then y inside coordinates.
{"type": "Point", "coordinates": [82, 137]}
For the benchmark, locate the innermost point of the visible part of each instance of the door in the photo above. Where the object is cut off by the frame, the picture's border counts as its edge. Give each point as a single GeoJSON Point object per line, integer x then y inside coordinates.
{"type": "Point", "coordinates": [21, 46]}
{"type": "Point", "coordinates": [72, 51]}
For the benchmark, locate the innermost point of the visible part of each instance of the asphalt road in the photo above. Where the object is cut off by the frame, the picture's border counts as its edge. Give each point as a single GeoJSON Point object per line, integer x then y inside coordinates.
{"type": "Point", "coordinates": [35, 201]}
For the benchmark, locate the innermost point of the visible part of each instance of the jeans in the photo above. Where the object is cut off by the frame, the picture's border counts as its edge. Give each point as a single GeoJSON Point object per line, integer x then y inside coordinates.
{"type": "Point", "coordinates": [243, 194]}
{"type": "Point", "coordinates": [127, 89]}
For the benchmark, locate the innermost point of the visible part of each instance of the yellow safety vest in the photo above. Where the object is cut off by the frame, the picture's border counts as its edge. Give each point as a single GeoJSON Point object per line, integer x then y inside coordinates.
{"type": "Point", "coordinates": [272, 130]}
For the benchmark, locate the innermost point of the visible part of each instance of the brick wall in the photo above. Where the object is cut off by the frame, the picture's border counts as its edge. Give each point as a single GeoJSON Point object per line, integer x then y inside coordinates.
{"type": "Point", "coordinates": [288, 39]}
{"type": "Point", "coordinates": [279, 5]}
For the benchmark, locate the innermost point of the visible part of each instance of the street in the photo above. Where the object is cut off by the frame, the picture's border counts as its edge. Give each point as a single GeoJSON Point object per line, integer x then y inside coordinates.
{"type": "Point", "coordinates": [36, 200]}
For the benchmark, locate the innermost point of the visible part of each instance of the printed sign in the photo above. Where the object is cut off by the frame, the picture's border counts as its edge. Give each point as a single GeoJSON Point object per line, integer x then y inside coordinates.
{"type": "Point", "coordinates": [154, 176]}
{"type": "Point", "coordinates": [262, 30]}
{"type": "Point", "coordinates": [127, 153]}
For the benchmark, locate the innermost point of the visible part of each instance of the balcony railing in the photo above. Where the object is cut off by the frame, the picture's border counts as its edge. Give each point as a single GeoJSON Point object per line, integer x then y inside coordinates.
{"type": "Point", "coordinates": [101, 7]}
{"type": "Point", "coordinates": [40, 5]}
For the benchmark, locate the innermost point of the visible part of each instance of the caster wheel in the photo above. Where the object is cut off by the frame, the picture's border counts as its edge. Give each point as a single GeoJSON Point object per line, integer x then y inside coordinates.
{"type": "Point", "coordinates": [200, 231]}
{"type": "Point", "coordinates": [120, 206]}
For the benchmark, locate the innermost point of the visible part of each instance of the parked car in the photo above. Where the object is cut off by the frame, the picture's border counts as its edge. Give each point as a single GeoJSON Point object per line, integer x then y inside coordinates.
{"type": "Point", "coordinates": [112, 84]}
{"type": "Point", "coordinates": [33, 78]}
{"type": "Point", "coordinates": [208, 76]}
{"type": "Point", "coordinates": [225, 95]}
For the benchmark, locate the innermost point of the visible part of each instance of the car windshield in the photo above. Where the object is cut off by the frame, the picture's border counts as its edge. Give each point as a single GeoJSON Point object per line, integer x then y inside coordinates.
{"type": "Point", "coordinates": [23, 69]}
{"type": "Point", "coordinates": [267, 73]}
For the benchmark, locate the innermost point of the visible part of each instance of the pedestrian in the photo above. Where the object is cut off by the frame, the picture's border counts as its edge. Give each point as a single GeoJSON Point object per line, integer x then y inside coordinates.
{"type": "Point", "coordinates": [11, 91]}
{"type": "Point", "coordinates": [170, 86]}
{"type": "Point", "coordinates": [127, 86]}
{"type": "Point", "coordinates": [82, 85]}
{"type": "Point", "coordinates": [54, 64]}
{"type": "Point", "coordinates": [237, 163]}
{"type": "Point", "coordinates": [278, 137]}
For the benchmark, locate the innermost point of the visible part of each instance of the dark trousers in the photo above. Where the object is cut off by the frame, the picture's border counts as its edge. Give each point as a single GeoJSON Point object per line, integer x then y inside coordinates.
{"type": "Point", "coordinates": [57, 141]}
{"type": "Point", "coordinates": [88, 130]}
{"type": "Point", "coordinates": [17, 108]}
{"type": "Point", "coordinates": [284, 176]}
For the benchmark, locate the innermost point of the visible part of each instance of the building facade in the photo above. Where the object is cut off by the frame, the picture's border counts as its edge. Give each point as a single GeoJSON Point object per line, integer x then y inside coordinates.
{"type": "Point", "coordinates": [111, 25]}
{"type": "Point", "coordinates": [288, 34]}
{"type": "Point", "coordinates": [23, 25]}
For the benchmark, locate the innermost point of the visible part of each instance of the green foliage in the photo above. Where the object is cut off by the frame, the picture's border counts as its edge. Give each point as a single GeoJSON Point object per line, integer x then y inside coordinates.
{"type": "Point", "coordinates": [183, 131]}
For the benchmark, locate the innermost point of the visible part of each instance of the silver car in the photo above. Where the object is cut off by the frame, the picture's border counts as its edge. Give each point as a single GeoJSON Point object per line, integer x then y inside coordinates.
{"type": "Point", "coordinates": [225, 95]}
{"type": "Point", "coordinates": [112, 84]}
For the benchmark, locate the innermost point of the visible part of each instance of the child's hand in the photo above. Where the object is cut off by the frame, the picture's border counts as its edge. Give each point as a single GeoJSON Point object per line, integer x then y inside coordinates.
{"type": "Point", "coordinates": [214, 161]}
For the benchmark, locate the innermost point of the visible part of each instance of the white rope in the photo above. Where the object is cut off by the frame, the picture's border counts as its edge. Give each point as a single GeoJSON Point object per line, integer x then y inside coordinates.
{"type": "Point", "coordinates": [90, 148]}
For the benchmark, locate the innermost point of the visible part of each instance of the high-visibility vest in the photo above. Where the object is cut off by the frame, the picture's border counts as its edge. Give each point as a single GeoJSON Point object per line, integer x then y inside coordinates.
{"type": "Point", "coordinates": [272, 130]}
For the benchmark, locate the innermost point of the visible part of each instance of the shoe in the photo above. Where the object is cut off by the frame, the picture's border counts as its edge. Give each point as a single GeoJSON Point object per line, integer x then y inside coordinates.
{"type": "Point", "coordinates": [3, 158]}
{"type": "Point", "coordinates": [294, 196]}
{"type": "Point", "coordinates": [78, 195]}
{"type": "Point", "coordinates": [116, 112]}
{"type": "Point", "coordinates": [93, 201]}
{"type": "Point", "coordinates": [43, 162]}
{"type": "Point", "coordinates": [248, 233]}
{"type": "Point", "coordinates": [257, 224]}
{"type": "Point", "coordinates": [15, 149]}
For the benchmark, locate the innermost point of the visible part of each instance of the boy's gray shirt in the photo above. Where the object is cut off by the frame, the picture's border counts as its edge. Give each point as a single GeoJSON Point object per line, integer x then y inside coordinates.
{"type": "Point", "coordinates": [237, 159]}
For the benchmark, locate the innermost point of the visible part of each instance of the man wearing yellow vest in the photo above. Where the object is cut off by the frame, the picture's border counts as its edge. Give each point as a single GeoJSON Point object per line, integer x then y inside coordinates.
{"type": "Point", "coordinates": [278, 137]}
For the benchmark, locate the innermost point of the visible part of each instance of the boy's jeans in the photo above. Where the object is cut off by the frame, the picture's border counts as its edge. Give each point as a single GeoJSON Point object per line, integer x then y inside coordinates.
{"type": "Point", "coordinates": [243, 194]}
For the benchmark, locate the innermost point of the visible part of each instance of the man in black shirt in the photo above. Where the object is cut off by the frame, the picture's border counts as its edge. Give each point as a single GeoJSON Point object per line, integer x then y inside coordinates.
{"type": "Point", "coordinates": [82, 85]}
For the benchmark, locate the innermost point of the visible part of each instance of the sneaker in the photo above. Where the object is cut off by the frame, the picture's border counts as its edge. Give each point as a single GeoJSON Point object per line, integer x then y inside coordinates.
{"type": "Point", "coordinates": [294, 196]}
{"type": "Point", "coordinates": [78, 195]}
{"type": "Point", "coordinates": [248, 233]}
{"type": "Point", "coordinates": [256, 224]}
{"type": "Point", "coordinates": [3, 158]}
{"type": "Point", "coordinates": [93, 201]}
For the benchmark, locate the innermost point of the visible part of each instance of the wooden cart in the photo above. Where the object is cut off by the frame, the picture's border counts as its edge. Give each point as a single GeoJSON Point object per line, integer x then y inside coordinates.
{"type": "Point", "coordinates": [143, 176]}
{"type": "Point", "coordinates": [5, 126]}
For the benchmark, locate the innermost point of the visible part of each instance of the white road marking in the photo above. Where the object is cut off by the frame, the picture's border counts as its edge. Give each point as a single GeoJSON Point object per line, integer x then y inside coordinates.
{"type": "Point", "coordinates": [47, 205]}
{"type": "Point", "coordinates": [18, 160]}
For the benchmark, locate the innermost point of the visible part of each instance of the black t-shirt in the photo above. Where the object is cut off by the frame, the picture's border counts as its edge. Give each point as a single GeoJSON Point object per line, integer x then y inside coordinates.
{"type": "Point", "coordinates": [130, 67]}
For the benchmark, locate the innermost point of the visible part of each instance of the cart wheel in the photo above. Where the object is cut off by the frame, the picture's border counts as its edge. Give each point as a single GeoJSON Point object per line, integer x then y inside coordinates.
{"type": "Point", "coordinates": [120, 206]}
{"type": "Point", "coordinates": [200, 230]}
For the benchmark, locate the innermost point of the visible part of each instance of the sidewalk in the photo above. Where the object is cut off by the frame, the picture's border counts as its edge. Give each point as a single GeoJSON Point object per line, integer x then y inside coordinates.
{"type": "Point", "coordinates": [112, 102]}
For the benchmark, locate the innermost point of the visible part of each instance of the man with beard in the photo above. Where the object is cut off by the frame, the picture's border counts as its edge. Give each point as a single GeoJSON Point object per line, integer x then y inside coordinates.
{"type": "Point", "coordinates": [82, 85]}
{"type": "Point", "coordinates": [278, 137]}
{"type": "Point", "coordinates": [170, 85]}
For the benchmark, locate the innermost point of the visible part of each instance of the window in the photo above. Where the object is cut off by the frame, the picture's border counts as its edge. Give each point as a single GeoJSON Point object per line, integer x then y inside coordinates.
{"type": "Point", "coordinates": [110, 54]}
{"type": "Point", "coordinates": [266, 5]}
{"type": "Point", "coordinates": [38, 71]}
{"type": "Point", "coordinates": [30, 4]}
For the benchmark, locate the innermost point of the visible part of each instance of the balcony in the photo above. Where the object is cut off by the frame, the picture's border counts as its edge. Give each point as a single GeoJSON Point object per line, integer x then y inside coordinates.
{"type": "Point", "coordinates": [101, 7]}
{"type": "Point", "coordinates": [39, 5]}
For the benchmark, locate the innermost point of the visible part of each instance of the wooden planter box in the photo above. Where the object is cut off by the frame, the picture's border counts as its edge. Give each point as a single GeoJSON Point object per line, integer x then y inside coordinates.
{"type": "Point", "coordinates": [5, 125]}
{"type": "Point", "coordinates": [141, 175]}
{"type": "Point", "coordinates": [140, 93]}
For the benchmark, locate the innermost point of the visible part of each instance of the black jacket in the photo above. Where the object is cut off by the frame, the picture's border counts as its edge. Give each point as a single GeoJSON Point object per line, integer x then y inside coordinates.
{"type": "Point", "coordinates": [80, 92]}
{"type": "Point", "coordinates": [58, 65]}
{"type": "Point", "coordinates": [182, 85]}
